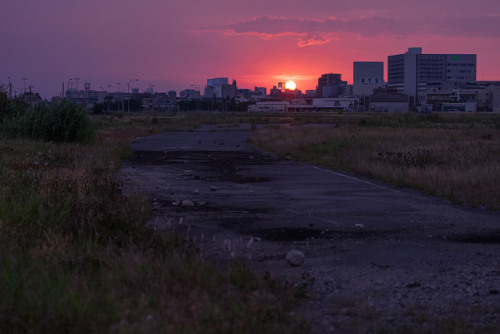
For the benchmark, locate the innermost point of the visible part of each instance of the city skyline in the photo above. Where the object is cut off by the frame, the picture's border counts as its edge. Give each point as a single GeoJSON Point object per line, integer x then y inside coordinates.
{"type": "Point", "coordinates": [177, 45]}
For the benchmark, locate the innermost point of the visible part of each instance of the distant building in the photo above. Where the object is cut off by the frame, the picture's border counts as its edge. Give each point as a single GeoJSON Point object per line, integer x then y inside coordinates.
{"type": "Point", "coordinates": [412, 72]}
{"type": "Point", "coordinates": [330, 85]}
{"type": "Point", "coordinates": [307, 105]}
{"type": "Point", "coordinates": [281, 106]}
{"type": "Point", "coordinates": [367, 75]}
{"type": "Point", "coordinates": [190, 94]}
{"type": "Point", "coordinates": [220, 88]}
{"type": "Point", "coordinates": [275, 92]}
{"type": "Point", "coordinates": [172, 94]}
{"type": "Point", "coordinates": [260, 91]}
{"type": "Point", "coordinates": [452, 100]}
{"type": "Point", "coordinates": [387, 100]}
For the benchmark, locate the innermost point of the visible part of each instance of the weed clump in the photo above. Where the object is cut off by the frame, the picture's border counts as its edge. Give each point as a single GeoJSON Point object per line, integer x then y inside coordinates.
{"type": "Point", "coordinates": [61, 122]}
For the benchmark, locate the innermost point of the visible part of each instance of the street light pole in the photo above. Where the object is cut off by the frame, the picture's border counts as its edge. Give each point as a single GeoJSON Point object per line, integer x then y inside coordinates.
{"type": "Point", "coordinates": [24, 79]}
{"type": "Point", "coordinates": [10, 89]}
{"type": "Point", "coordinates": [69, 87]}
{"type": "Point", "coordinates": [128, 91]}
{"type": "Point", "coordinates": [118, 85]}
{"type": "Point", "coordinates": [197, 100]}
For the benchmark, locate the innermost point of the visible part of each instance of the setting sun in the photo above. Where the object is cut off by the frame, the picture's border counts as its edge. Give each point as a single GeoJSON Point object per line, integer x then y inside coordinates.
{"type": "Point", "coordinates": [290, 85]}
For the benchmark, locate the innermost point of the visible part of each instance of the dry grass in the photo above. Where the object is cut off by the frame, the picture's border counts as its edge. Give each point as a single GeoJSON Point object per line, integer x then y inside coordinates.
{"type": "Point", "coordinates": [76, 255]}
{"type": "Point", "coordinates": [459, 164]}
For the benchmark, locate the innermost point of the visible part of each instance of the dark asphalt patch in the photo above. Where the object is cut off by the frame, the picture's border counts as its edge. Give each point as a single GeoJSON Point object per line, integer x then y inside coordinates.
{"type": "Point", "coordinates": [486, 237]}
{"type": "Point", "coordinates": [217, 158]}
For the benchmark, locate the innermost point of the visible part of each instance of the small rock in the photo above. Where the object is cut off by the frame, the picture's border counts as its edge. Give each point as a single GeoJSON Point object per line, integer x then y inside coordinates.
{"type": "Point", "coordinates": [213, 188]}
{"type": "Point", "coordinates": [295, 258]}
{"type": "Point", "coordinates": [359, 226]}
{"type": "Point", "coordinates": [201, 203]}
{"type": "Point", "coordinates": [175, 203]}
{"type": "Point", "coordinates": [196, 192]}
{"type": "Point", "coordinates": [188, 173]}
{"type": "Point", "coordinates": [187, 203]}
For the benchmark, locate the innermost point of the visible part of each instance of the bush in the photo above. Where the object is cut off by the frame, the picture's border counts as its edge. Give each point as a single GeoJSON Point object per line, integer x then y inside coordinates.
{"type": "Point", "coordinates": [62, 122]}
{"type": "Point", "coordinates": [10, 107]}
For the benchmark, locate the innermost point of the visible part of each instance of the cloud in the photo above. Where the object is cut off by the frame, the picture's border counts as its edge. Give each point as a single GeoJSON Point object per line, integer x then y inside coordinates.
{"type": "Point", "coordinates": [485, 26]}
{"type": "Point", "coordinates": [316, 32]}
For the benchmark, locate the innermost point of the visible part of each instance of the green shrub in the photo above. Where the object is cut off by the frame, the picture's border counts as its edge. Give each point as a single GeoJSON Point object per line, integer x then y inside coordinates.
{"type": "Point", "coordinates": [10, 107]}
{"type": "Point", "coordinates": [61, 122]}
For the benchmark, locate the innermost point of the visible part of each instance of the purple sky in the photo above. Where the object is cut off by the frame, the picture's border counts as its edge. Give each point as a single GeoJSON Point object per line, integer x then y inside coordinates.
{"type": "Point", "coordinates": [176, 44]}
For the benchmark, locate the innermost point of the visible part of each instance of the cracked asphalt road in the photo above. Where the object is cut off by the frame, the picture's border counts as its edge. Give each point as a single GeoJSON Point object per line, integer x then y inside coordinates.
{"type": "Point", "coordinates": [377, 257]}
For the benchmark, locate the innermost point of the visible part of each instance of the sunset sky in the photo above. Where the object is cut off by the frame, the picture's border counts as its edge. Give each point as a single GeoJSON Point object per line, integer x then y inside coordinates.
{"type": "Point", "coordinates": [176, 44]}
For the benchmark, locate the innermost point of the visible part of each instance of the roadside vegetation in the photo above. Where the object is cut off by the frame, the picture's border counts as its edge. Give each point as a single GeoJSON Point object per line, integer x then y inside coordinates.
{"type": "Point", "coordinates": [455, 156]}
{"type": "Point", "coordinates": [76, 255]}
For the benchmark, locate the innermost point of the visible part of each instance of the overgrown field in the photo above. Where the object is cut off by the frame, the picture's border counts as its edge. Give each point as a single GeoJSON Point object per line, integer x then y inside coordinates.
{"type": "Point", "coordinates": [456, 156]}
{"type": "Point", "coordinates": [76, 256]}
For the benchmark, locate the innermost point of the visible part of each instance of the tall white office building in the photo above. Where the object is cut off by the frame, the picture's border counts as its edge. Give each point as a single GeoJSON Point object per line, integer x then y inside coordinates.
{"type": "Point", "coordinates": [413, 72]}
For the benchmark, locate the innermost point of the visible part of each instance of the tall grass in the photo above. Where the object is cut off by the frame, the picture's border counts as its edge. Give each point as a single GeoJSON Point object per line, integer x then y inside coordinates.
{"type": "Point", "coordinates": [459, 164]}
{"type": "Point", "coordinates": [77, 256]}
{"type": "Point", "coordinates": [60, 122]}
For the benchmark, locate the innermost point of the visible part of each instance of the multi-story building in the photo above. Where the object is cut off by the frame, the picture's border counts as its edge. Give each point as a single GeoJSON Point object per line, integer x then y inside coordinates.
{"type": "Point", "coordinates": [220, 88]}
{"type": "Point", "coordinates": [331, 85]}
{"type": "Point", "coordinates": [367, 75]}
{"type": "Point", "coordinates": [413, 72]}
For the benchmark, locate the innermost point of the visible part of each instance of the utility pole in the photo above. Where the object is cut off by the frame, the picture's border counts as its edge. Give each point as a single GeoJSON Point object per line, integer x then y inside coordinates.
{"type": "Point", "coordinates": [77, 93]}
{"type": "Point", "coordinates": [69, 88]}
{"type": "Point", "coordinates": [10, 89]}
{"type": "Point", "coordinates": [24, 79]}
{"type": "Point", "coordinates": [118, 84]}
{"type": "Point", "coordinates": [128, 91]}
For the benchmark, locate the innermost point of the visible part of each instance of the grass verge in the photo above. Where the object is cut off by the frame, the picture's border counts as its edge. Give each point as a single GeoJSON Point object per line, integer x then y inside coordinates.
{"type": "Point", "coordinates": [456, 158]}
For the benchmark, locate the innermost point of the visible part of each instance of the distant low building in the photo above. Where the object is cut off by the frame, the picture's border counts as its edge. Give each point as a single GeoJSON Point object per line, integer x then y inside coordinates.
{"type": "Point", "coordinates": [452, 100]}
{"type": "Point", "coordinates": [190, 94]}
{"type": "Point", "coordinates": [388, 100]}
{"type": "Point", "coordinates": [331, 85]}
{"type": "Point", "coordinates": [279, 106]}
